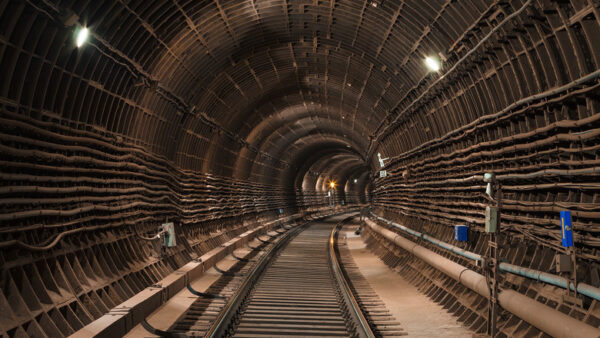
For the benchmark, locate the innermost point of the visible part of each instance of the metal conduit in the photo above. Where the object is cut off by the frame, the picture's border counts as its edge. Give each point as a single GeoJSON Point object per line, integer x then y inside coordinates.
{"type": "Point", "coordinates": [472, 125]}
{"type": "Point", "coordinates": [551, 321]}
{"type": "Point", "coordinates": [549, 278]}
{"type": "Point", "coordinates": [447, 246]}
{"type": "Point", "coordinates": [584, 289]}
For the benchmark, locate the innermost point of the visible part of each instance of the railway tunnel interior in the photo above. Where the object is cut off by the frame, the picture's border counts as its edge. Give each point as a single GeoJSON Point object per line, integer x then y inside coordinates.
{"type": "Point", "coordinates": [221, 116]}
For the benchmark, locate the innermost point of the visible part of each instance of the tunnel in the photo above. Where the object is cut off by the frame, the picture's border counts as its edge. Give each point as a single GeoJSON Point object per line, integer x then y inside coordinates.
{"type": "Point", "coordinates": [456, 142]}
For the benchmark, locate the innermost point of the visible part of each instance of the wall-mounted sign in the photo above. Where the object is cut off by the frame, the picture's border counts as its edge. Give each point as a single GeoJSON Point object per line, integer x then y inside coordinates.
{"type": "Point", "coordinates": [566, 229]}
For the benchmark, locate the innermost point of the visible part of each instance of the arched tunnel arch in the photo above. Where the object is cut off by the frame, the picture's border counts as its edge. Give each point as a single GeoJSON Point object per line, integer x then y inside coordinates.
{"type": "Point", "coordinates": [221, 115]}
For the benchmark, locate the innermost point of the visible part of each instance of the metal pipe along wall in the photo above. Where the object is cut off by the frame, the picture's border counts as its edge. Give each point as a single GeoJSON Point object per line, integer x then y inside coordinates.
{"type": "Point", "coordinates": [541, 276]}
{"type": "Point", "coordinates": [549, 320]}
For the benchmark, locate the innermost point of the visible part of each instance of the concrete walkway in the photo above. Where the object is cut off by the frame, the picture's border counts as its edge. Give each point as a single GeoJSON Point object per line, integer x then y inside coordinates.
{"type": "Point", "coordinates": [169, 313]}
{"type": "Point", "coordinates": [419, 315]}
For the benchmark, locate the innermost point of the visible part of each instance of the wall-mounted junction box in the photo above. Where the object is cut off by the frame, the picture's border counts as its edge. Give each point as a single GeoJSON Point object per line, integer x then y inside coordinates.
{"type": "Point", "coordinates": [563, 263]}
{"type": "Point", "coordinates": [460, 232]}
{"type": "Point", "coordinates": [169, 235]}
{"type": "Point", "coordinates": [491, 219]}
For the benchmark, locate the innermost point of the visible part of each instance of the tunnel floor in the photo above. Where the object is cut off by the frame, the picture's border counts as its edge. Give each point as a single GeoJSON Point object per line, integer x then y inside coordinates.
{"type": "Point", "coordinates": [419, 315]}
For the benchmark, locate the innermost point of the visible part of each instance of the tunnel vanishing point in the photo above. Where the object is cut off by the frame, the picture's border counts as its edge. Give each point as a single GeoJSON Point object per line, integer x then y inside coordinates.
{"type": "Point", "coordinates": [141, 141]}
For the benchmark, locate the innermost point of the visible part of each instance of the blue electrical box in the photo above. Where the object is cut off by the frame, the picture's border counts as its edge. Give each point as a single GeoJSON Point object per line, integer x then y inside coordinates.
{"type": "Point", "coordinates": [566, 229]}
{"type": "Point", "coordinates": [460, 232]}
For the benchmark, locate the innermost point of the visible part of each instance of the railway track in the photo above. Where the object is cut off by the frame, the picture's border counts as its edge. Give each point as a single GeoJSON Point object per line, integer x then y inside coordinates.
{"type": "Point", "coordinates": [296, 295]}
{"type": "Point", "coordinates": [299, 286]}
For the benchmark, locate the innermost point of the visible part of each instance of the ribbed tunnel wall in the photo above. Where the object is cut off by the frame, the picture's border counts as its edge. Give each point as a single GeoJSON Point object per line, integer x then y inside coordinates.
{"type": "Point", "coordinates": [217, 114]}
{"type": "Point", "coordinates": [524, 105]}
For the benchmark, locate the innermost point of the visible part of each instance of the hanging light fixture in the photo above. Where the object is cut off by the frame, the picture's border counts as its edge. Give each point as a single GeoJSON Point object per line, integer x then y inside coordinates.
{"type": "Point", "coordinates": [433, 63]}
{"type": "Point", "coordinates": [82, 36]}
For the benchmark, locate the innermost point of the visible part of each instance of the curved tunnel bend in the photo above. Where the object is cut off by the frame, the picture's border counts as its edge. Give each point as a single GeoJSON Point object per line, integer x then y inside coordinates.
{"type": "Point", "coordinates": [222, 116]}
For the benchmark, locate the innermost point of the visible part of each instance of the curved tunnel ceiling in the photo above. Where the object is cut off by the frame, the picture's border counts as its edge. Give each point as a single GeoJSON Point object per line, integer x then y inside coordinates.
{"type": "Point", "coordinates": [239, 88]}
{"type": "Point", "coordinates": [171, 69]}
{"type": "Point", "coordinates": [171, 74]}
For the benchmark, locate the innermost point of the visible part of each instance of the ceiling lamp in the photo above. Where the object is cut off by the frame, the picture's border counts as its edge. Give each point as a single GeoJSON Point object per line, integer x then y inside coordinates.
{"type": "Point", "coordinates": [433, 64]}
{"type": "Point", "coordinates": [82, 36]}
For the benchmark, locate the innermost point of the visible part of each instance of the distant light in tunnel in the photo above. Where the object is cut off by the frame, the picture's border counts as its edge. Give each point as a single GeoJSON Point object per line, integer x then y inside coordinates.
{"type": "Point", "coordinates": [432, 63]}
{"type": "Point", "coordinates": [82, 36]}
{"type": "Point", "coordinates": [332, 184]}
{"type": "Point", "coordinates": [355, 180]}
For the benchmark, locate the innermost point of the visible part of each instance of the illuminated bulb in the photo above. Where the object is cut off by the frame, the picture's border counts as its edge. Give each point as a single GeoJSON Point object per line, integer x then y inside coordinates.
{"type": "Point", "coordinates": [355, 180]}
{"type": "Point", "coordinates": [432, 64]}
{"type": "Point", "coordinates": [82, 36]}
{"type": "Point", "coordinates": [332, 185]}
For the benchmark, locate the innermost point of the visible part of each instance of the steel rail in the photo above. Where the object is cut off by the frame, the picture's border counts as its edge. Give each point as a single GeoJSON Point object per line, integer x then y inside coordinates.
{"type": "Point", "coordinates": [220, 326]}
{"type": "Point", "coordinates": [364, 330]}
